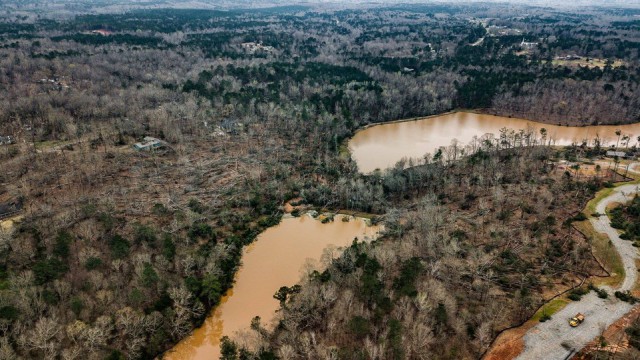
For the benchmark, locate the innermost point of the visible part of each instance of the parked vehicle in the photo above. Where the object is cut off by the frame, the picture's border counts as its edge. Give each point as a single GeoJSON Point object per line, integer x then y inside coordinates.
{"type": "Point", "coordinates": [576, 320]}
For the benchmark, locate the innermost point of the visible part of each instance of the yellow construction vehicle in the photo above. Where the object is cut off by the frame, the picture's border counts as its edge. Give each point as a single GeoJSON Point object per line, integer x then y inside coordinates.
{"type": "Point", "coordinates": [576, 320]}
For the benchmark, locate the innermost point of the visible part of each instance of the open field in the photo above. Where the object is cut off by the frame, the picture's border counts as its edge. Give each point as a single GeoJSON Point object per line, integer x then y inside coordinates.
{"type": "Point", "coordinates": [590, 63]}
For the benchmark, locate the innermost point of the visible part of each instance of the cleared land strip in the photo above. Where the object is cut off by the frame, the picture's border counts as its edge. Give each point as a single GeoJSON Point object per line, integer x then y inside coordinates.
{"type": "Point", "coordinates": [555, 339]}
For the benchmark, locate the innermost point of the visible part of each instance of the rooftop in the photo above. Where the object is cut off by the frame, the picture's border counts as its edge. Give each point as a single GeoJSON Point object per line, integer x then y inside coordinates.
{"type": "Point", "coordinates": [148, 143]}
{"type": "Point", "coordinates": [617, 153]}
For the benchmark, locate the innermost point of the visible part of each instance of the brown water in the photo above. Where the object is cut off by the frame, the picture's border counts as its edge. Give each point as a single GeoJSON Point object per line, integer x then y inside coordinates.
{"type": "Point", "coordinates": [275, 259]}
{"type": "Point", "coordinates": [382, 146]}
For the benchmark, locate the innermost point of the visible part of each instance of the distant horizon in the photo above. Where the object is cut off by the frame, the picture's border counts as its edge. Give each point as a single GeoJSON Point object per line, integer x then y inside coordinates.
{"type": "Point", "coordinates": [90, 6]}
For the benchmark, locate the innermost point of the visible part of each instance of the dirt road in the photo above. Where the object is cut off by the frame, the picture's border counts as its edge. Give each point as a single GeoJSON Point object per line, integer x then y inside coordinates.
{"type": "Point", "coordinates": [555, 339]}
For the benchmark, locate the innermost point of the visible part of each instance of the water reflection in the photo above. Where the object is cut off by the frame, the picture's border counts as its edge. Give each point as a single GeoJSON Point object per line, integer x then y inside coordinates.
{"type": "Point", "coordinates": [383, 145]}
{"type": "Point", "coordinates": [275, 259]}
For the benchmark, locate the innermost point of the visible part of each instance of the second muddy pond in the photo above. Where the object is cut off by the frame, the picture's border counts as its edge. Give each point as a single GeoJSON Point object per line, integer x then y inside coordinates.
{"type": "Point", "coordinates": [382, 146]}
{"type": "Point", "coordinates": [277, 258]}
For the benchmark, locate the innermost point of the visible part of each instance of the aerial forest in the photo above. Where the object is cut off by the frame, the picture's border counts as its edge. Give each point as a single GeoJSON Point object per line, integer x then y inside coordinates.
{"type": "Point", "coordinates": [120, 254]}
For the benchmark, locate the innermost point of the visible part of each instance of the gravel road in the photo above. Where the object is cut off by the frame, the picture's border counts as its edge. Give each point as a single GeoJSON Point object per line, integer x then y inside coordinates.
{"type": "Point", "coordinates": [555, 339]}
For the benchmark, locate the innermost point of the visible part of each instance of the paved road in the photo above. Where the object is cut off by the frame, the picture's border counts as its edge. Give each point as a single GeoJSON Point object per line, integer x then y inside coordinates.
{"type": "Point", "coordinates": [555, 339]}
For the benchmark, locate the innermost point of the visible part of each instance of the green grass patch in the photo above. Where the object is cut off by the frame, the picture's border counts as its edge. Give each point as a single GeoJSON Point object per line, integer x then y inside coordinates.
{"type": "Point", "coordinates": [605, 252]}
{"type": "Point", "coordinates": [601, 246]}
{"type": "Point", "coordinates": [591, 205]}
{"type": "Point", "coordinates": [551, 308]}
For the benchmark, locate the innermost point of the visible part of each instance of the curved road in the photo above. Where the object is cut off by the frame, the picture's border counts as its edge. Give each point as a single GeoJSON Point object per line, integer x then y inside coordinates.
{"type": "Point", "coordinates": [555, 339]}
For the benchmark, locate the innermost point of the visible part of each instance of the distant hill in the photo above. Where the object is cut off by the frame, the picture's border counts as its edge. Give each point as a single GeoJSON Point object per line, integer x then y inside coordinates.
{"type": "Point", "coordinates": [106, 6]}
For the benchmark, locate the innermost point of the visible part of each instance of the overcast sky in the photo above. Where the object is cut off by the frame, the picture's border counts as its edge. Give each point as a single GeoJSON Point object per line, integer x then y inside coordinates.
{"type": "Point", "coordinates": [554, 3]}
{"type": "Point", "coordinates": [540, 2]}
{"type": "Point", "coordinates": [123, 5]}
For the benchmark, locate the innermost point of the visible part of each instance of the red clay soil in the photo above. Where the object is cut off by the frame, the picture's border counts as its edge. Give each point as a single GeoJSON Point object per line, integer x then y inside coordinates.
{"type": "Point", "coordinates": [288, 208]}
{"type": "Point", "coordinates": [615, 337]}
{"type": "Point", "coordinates": [509, 344]}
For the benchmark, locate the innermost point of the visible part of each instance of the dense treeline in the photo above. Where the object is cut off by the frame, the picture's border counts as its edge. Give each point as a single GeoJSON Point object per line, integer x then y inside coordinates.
{"type": "Point", "coordinates": [427, 54]}
{"type": "Point", "coordinates": [627, 218]}
{"type": "Point", "coordinates": [121, 253]}
{"type": "Point", "coordinates": [90, 39]}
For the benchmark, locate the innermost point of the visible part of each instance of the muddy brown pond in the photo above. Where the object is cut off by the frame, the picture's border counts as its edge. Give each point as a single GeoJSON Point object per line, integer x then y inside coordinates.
{"type": "Point", "coordinates": [382, 146]}
{"type": "Point", "coordinates": [275, 259]}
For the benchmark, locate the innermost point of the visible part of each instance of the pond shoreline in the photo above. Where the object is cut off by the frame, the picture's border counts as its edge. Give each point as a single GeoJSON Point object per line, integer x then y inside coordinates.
{"type": "Point", "coordinates": [273, 260]}
{"type": "Point", "coordinates": [479, 112]}
{"type": "Point", "coordinates": [382, 145]}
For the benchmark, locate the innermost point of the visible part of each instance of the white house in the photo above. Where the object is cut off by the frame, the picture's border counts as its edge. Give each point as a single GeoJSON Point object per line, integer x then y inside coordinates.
{"type": "Point", "coordinates": [619, 154]}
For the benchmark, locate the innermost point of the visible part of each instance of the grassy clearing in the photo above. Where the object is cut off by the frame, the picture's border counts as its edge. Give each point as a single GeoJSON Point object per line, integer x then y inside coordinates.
{"type": "Point", "coordinates": [591, 63]}
{"type": "Point", "coordinates": [605, 252]}
{"type": "Point", "coordinates": [591, 205]}
{"type": "Point", "coordinates": [551, 307]}
{"type": "Point", "coordinates": [602, 247]}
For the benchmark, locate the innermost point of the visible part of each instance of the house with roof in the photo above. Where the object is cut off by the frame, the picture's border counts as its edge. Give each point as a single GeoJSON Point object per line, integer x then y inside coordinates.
{"type": "Point", "coordinates": [618, 154]}
{"type": "Point", "coordinates": [149, 143]}
{"type": "Point", "coordinates": [528, 45]}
